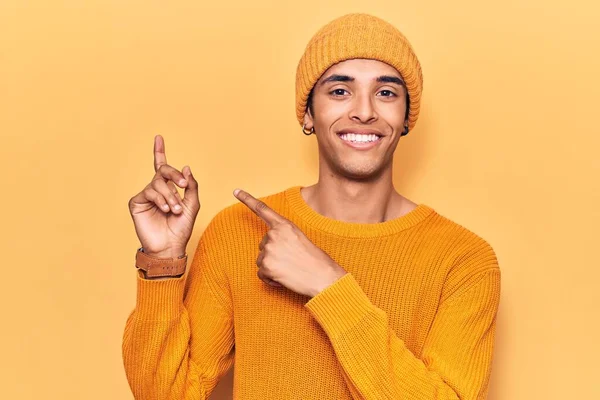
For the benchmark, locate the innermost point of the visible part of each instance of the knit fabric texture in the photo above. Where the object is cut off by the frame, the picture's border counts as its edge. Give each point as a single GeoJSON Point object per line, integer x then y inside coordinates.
{"type": "Point", "coordinates": [413, 318]}
{"type": "Point", "coordinates": [358, 35]}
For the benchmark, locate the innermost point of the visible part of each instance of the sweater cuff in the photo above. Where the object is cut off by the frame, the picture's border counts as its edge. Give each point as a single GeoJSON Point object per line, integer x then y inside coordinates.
{"type": "Point", "coordinates": [340, 306]}
{"type": "Point", "coordinates": [159, 299]}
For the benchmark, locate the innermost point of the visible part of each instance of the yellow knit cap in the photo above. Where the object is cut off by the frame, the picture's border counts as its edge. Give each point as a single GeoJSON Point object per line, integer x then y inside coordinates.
{"type": "Point", "coordinates": [358, 35]}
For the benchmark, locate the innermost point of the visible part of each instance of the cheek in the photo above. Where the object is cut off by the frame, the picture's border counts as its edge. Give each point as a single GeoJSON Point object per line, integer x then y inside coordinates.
{"type": "Point", "coordinates": [330, 112]}
{"type": "Point", "coordinates": [393, 114]}
{"type": "Point", "coordinates": [327, 110]}
{"type": "Point", "coordinates": [330, 119]}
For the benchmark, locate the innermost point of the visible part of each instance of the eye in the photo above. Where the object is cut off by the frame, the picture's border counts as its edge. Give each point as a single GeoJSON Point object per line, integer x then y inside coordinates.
{"type": "Point", "coordinates": [392, 94]}
{"type": "Point", "coordinates": [335, 92]}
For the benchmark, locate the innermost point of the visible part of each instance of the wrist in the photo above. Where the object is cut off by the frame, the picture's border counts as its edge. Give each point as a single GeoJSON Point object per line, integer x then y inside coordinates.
{"type": "Point", "coordinates": [330, 280]}
{"type": "Point", "coordinates": [169, 253]}
{"type": "Point", "coordinates": [169, 263]}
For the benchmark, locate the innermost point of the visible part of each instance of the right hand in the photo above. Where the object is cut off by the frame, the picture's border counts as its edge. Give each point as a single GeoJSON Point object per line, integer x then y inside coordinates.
{"type": "Point", "coordinates": [165, 231]}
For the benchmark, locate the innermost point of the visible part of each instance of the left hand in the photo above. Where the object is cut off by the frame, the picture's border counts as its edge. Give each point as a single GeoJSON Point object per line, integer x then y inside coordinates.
{"type": "Point", "coordinates": [288, 258]}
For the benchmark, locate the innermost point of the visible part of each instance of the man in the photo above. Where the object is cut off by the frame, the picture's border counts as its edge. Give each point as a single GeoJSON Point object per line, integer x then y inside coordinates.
{"type": "Point", "coordinates": [341, 290]}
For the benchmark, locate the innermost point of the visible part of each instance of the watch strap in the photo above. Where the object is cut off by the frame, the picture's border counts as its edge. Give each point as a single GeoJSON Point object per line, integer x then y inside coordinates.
{"type": "Point", "coordinates": [157, 267]}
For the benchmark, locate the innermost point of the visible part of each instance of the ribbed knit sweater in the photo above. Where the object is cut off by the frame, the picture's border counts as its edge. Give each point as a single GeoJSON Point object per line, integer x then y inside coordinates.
{"type": "Point", "coordinates": [413, 318]}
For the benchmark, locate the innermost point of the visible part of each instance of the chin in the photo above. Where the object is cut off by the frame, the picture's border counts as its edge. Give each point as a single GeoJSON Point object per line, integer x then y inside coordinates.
{"type": "Point", "coordinates": [363, 171]}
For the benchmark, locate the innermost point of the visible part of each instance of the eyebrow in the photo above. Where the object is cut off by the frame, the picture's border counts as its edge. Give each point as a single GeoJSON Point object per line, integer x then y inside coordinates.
{"type": "Point", "coordinates": [347, 78]}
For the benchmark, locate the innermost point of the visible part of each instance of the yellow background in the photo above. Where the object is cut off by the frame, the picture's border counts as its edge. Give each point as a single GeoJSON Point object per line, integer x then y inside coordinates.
{"type": "Point", "coordinates": [506, 145]}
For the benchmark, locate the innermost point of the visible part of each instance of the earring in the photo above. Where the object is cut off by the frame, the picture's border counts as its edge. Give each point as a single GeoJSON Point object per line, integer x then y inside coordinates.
{"type": "Point", "coordinates": [312, 130]}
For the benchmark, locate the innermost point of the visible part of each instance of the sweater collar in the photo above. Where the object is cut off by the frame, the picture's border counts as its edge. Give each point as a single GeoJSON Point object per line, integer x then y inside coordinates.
{"type": "Point", "coordinates": [352, 229]}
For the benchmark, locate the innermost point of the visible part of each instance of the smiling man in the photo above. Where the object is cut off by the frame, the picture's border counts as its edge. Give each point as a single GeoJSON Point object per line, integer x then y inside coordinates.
{"type": "Point", "coordinates": [340, 290]}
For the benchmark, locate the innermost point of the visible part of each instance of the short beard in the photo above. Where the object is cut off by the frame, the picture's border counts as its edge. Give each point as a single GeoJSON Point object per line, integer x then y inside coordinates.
{"type": "Point", "coordinates": [355, 171]}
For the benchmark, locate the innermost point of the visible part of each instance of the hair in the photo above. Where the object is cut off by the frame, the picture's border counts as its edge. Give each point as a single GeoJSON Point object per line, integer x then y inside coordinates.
{"type": "Point", "coordinates": [309, 104]}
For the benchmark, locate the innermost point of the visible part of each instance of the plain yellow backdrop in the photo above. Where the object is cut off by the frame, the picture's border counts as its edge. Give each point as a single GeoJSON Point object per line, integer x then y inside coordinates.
{"type": "Point", "coordinates": [506, 145]}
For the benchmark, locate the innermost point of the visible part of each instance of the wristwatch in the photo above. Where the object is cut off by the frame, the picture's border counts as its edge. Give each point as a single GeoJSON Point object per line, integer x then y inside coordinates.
{"type": "Point", "coordinates": [156, 267]}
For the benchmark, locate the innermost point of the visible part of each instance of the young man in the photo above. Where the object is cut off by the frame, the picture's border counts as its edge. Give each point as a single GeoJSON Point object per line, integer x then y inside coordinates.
{"type": "Point", "coordinates": [340, 290]}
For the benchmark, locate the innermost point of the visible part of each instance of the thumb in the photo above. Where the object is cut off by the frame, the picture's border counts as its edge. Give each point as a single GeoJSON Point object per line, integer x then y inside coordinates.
{"type": "Point", "coordinates": [190, 194]}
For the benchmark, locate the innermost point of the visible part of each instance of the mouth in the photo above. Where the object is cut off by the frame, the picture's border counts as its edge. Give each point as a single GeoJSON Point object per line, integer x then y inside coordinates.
{"type": "Point", "coordinates": [360, 141]}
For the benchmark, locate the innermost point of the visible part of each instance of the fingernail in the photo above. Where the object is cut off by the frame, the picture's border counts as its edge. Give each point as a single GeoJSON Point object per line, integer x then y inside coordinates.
{"type": "Point", "coordinates": [177, 207]}
{"type": "Point", "coordinates": [236, 191]}
{"type": "Point", "coordinates": [182, 182]}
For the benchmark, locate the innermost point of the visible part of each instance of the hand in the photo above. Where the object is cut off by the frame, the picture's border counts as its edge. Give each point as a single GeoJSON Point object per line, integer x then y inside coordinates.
{"type": "Point", "coordinates": [288, 258]}
{"type": "Point", "coordinates": [163, 220]}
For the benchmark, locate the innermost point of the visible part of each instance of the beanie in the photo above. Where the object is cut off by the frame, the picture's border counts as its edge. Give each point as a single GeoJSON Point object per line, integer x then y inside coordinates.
{"type": "Point", "coordinates": [358, 35]}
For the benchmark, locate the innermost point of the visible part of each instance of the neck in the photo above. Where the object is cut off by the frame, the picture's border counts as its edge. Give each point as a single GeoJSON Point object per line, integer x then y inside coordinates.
{"type": "Point", "coordinates": [357, 201]}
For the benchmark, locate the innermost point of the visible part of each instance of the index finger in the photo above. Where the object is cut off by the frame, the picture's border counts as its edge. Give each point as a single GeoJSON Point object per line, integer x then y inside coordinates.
{"type": "Point", "coordinates": [259, 208]}
{"type": "Point", "coordinates": [160, 158]}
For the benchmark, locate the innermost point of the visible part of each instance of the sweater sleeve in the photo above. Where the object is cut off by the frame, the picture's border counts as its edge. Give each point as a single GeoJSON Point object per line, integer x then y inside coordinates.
{"type": "Point", "coordinates": [179, 341]}
{"type": "Point", "coordinates": [376, 364]}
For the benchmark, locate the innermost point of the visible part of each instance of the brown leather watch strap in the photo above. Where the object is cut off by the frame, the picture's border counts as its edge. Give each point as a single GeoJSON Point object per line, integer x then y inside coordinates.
{"type": "Point", "coordinates": [155, 267]}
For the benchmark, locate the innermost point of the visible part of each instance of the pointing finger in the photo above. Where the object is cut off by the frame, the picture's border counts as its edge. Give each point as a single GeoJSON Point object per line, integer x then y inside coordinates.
{"type": "Point", "coordinates": [160, 158]}
{"type": "Point", "coordinates": [191, 190]}
{"type": "Point", "coordinates": [259, 208]}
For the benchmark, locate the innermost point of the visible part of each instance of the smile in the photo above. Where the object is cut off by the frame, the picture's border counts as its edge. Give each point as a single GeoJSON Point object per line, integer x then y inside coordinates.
{"type": "Point", "coordinates": [360, 142]}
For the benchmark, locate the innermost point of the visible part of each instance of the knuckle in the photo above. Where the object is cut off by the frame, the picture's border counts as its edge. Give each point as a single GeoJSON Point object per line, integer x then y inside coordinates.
{"type": "Point", "coordinates": [172, 187]}
{"type": "Point", "coordinates": [147, 192]}
{"type": "Point", "coordinates": [166, 170]}
{"type": "Point", "coordinates": [268, 247]}
{"type": "Point", "coordinates": [260, 206]}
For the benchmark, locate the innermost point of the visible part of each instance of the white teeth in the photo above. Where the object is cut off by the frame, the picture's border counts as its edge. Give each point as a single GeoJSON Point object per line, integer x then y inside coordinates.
{"type": "Point", "coordinates": [353, 137]}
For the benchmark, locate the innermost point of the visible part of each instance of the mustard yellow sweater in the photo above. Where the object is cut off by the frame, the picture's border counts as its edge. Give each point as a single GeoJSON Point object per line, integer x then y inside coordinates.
{"type": "Point", "coordinates": [414, 318]}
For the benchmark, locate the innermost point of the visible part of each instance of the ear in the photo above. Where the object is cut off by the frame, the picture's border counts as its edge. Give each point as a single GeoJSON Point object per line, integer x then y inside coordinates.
{"type": "Point", "coordinates": [405, 127]}
{"type": "Point", "coordinates": [308, 119]}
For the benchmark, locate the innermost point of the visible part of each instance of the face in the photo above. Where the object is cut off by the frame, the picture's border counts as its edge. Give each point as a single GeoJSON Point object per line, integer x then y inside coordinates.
{"type": "Point", "coordinates": [366, 97]}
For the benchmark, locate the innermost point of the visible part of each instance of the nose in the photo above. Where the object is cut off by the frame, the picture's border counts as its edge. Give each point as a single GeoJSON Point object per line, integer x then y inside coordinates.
{"type": "Point", "coordinates": [363, 109]}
